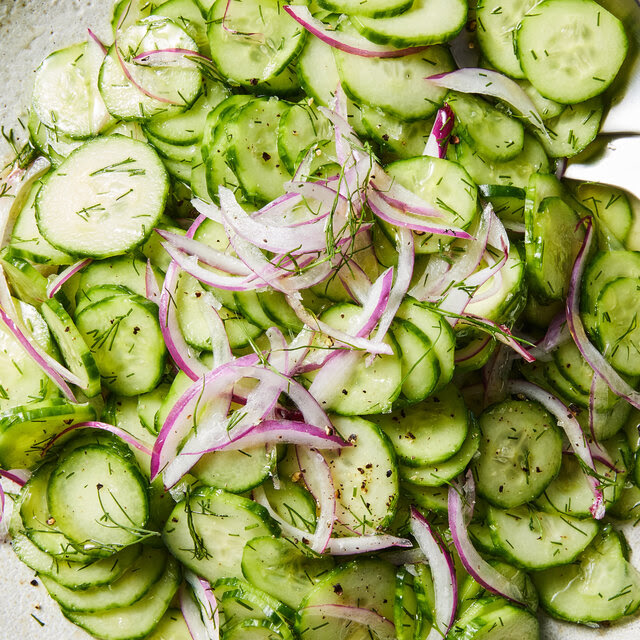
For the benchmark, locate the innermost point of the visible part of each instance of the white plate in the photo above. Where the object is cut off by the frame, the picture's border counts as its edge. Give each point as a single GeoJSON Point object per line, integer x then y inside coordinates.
{"type": "Point", "coordinates": [29, 30]}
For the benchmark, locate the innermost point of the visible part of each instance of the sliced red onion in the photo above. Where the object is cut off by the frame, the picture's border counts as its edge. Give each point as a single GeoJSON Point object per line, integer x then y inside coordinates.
{"type": "Point", "coordinates": [570, 425]}
{"type": "Point", "coordinates": [18, 184]}
{"type": "Point", "coordinates": [213, 426]}
{"type": "Point", "coordinates": [169, 58]}
{"type": "Point", "coordinates": [461, 502]}
{"type": "Point", "coordinates": [288, 529]}
{"type": "Point", "coordinates": [399, 196]}
{"type": "Point", "coordinates": [99, 42]}
{"type": "Point", "coordinates": [271, 238]}
{"type": "Point", "coordinates": [132, 80]}
{"type": "Point", "coordinates": [365, 544]}
{"type": "Point", "coordinates": [279, 350]}
{"type": "Point", "coordinates": [443, 572]}
{"type": "Point", "coordinates": [211, 278]}
{"type": "Point", "coordinates": [205, 253]}
{"type": "Point", "coordinates": [383, 210]}
{"type": "Point", "coordinates": [54, 286]}
{"type": "Point", "coordinates": [183, 354]}
{"type": "Point", "coordinates": [595, 359]}
{"type": "Point", "coordinates": [199, 608]}
{"type": "Point", "coordinates": [354, 279]}
{"type": "Point", "coordinates": [382, 628]}
{"type": "Point", "coordinates": [404, 273]}
{"type": "Point", "coordinates": [152, 290]}
{"type": "Point", "coordinates": [298, 350]}
{"type": "Point", "coordinates": [561, 167]}
{"type": "Point", "coordinates": [500, 332]}
{"type": "Point", "coordinates": [557, 334]}
{"type": "Point", "coordinates": [102, 426]}
{"type": "Point", "coordinates": [17, 476]}
{"type": "Point", "coordinates": [356, 45]}
{"type": "Point", "coordinates": [318, 478]}
{"type": "Point", "coordinates": [354, 342]}
{"type": "Point", "coordinates": [220, 347]}
{"type": "Point", "coordinates": [438, 141]}
{"type": "Point", "coordinates": [39, 357]}
{"type": "Point", "coordinates": [491, 83]}
{"type": "Point", "coordinates": [280, 432]}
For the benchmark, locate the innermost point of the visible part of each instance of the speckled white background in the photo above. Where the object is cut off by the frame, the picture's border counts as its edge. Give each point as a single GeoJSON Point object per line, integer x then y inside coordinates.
{"type": "Point", "coordinates": [29, 30]}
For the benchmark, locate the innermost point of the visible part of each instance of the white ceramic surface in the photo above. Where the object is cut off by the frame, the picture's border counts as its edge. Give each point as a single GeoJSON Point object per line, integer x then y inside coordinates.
{"type": "Point", "coordinates": [29, 30]}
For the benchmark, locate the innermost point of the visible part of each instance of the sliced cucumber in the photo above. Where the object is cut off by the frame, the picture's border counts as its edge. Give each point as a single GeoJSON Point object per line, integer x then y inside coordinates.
{"type": "Point", "coordinates": [84, 207]}
{"type": "Point", "coordinates": [576, 68]}
{"type": "Point", "coordinates": [520, 452]}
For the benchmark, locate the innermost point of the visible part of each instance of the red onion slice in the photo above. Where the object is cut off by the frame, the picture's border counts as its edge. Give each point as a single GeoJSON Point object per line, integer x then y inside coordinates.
{"type": "Point", "coordinates": [356, 45]}
{"type": "Point", "coordinates": [383, 210]}
{"type": "Point", "coordinates": [365, 544]}
{"type": "Point", "coordinates": [18, 184]}
{"type": "Point", "coordinates": [443, 572]}
{"type": "Point", "coordinates": [438, 141]}
{"type": "Point", "coordinates": [152, 290]}
{"type": "Point", "coordinates": [38, 356]}
{"type": "Point", "coordinates": [54, 286]}
{"type": "Point", "coordinates": [461, 501]}
{"type": "Point", "coordinates": [491, 83]}
{"type": "Point", "coordinates": [570, 425]}
{"type": "Point", "coordinates": [318, 478]}
{"type": "Point", "coordinates": [17, 476]}
{"type": "Point", "coordinates": [199, 608]}
{"type": "Point", "coordinates": [595, 359]}
{"type": "Point", "coordinates": [205, 253]}
{"type": "Point", "coordinates": [102, 426]}
{"type": "Point", "coordinates": [382, 628]}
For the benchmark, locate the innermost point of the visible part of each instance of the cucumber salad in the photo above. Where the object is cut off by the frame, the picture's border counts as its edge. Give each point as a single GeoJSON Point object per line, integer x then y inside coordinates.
{"type": "Point", "coordinates": [303, 335]}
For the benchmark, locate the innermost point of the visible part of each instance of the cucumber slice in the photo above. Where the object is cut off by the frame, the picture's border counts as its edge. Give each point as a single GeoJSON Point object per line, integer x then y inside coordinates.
{"type": "Point", "coordinates": [534, 539]}
{"type": "Point", "coordinates": [282, 570]}
{"type": "Point", "coordinates": [123, 334]}
{"type": "Point", "coordinates": [500, 623]}
{"type": "Point", "coordinates": [617, 324]}
{"type": "Point", "coordinates": [420, 366]}
{"type": "Point", "coordinates": [95, 294]}
{"type": "Point", "coordinates": [570, 491]}
{"type": "Point", "coordinates": [600, 585]}
{"type": "Point", "coordinates": [546, 108]}
{"type": "Point", "coordinates": [26, 429]}
{"type": "Point", "coordinates": [394, 84]}
{"type": "Point", "coordinates": [317, 71]}
{"type": "Point", "coordinates": [136, 620]}
{"type": "Point", "coordinates": [442, 472]}
{"type": "Point", "coordinates": [494, 134]}
{"type": "Point", "coordinates": [437, 329]}
{"type": "Point", "coordinates": [292, 501]}
{"type": "Point", "coordinates": [425, 22]}
{"type": "Point", "coordinates": [74, 349]}
{"type": "Point", "coordinates": [371, 8]}
{"type": "Point", "coordinates": [405, 139]}
{"type": "Point", "coordinates": [253, 150]}
{"type": "Point", "coordinates": [576, 68]}
{"type": "Point", "coordinates": [124, 271]}
{"type": "Point", "coordinates": [612, 212]}
{"type": "Point", "coordinates": [365, 475]}
{"type": "Point", "coordinates": [516, 172]}
{"type": "Point", "coordinates": [65, 92]}
{"type": "Point", "coordinates": [129, 588]}
{"type": "Point", "coordinates": [73, 575]}
{"type": "Point", "coordinates": [444, 185]}
{"type": "Point", "coordinates": [189, 16]}
{"type": "Point", "coordinates": [571, 131]}
{"type": "Point", "coordinates": [552, 240]}
{"type": "Point", "coordinates": [207, 532]}
{"type": "Point", "coordinates": [497, 24]}
{"type": "Point", "coordinates": [37, 521]}
{"type": "Point", "coordinates": [177, 86]}
{"type": "Point", "coordinates": [84, 210]}
{"type": "Point", "coordinates": [407, 616]}
{"type": "Point", "coordinates": [171, 627]}
{"type": "Point", "coordinates": [234, 471]}
{"type": "Point", "coordinates": [430, 432]}
{"type": "Point", "coordinates": [520, 452]}
{"type": "Point", "coordinates": [428, 498]}
{"type": "Point", "coordinates": [98, 498]}
{"type": "Point", "coordinates": [253, 60]}
{"type": "Point", "coordinates": [27, 241]}
{"type": "Point", "coordinates": [256, 629]}
{"type": "Point", "coordinates": [368, 583]}
{"type": "Point", "coordinates": [148, 406]}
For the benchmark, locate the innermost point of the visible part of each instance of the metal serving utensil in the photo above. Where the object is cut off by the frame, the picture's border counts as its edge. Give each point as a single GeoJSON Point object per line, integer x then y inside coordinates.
{"type": "Point", "coordinates": [614, 156]}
